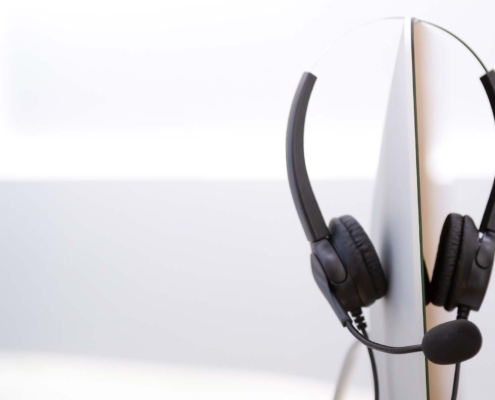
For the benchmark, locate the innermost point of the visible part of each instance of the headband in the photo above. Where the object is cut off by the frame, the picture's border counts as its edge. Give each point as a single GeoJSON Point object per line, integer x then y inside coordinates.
{"type": "Point", "coordinates": [307, 207]}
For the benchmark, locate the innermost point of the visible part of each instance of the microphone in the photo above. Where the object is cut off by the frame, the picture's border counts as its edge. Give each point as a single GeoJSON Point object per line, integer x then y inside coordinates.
{"type": "Point", "coordinates": [449, 343]}
{"type": "Point", "coordinates": [452, 342]}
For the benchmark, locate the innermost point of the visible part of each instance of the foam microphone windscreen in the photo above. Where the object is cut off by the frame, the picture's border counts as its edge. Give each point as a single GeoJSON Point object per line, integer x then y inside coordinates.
{"type": "Point", "coordinates": [452, 342]}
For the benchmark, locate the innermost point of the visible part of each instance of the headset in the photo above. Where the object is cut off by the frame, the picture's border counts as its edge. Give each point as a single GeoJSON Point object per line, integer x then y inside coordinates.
{"type": "Point", "coordinates": [347, 269]}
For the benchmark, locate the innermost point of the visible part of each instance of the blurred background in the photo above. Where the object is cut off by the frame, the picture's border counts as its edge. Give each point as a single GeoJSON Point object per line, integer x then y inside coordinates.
{"type": "Point", "coordinates": [148, 240]}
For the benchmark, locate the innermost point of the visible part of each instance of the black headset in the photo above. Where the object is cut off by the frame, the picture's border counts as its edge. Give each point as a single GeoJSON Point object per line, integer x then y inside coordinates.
{"type": "Point", "coordinates": [348, 271]}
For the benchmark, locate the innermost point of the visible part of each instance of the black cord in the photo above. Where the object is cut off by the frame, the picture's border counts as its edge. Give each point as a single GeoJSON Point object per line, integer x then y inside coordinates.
{"type": "Point", "coordinates": [456, 381]}
{"type": "Point", "coordinates": [381, 347]}
{"type": "Point", "coordinates": [373, 368]}
{"type": "Point", "coordinates": [361, 325]}
{"type": "Point", "coordinates": [462, 313]}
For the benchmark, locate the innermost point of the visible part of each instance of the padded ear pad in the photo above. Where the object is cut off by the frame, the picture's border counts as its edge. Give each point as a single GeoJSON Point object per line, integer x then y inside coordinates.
{"type": "Point", "coordinates": [456, 253]}
{"type": "Point", "coordinates": [359, 258]}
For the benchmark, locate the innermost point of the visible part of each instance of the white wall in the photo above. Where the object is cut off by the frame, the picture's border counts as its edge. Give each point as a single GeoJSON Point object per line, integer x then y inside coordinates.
{"type": "Point", "coordinates": [203, 273]}
{"type": "Point", "coordinates": [178, 90]}
{"type": "Point", "coordinates": [208, 274]}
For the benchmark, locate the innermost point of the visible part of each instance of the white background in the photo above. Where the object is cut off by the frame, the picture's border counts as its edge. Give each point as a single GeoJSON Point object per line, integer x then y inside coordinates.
{"type": "Point", "coordinates": [181, 90]}
{"type": "Point", "coordinates": [212, 272]}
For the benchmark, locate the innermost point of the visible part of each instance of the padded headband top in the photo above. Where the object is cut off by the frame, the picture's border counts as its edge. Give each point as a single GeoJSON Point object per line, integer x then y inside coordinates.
{"type": "Point", "coordinates": [307, 207]}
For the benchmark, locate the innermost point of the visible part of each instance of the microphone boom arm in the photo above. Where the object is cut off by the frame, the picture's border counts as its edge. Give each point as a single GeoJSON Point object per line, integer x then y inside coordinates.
{"type": "Point", "coordinates": [380, 347]}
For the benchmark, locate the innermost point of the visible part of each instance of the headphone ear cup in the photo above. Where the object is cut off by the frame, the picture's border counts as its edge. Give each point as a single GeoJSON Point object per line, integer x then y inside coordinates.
{"type": "Point", "coordinates": [359, 258]}
{"type": "Point", "coordinates": [455, 256]}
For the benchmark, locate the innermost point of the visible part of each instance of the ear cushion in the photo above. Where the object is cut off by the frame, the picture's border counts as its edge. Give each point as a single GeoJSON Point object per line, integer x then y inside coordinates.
{"type": "Point", "coordinates": [359, 257]}
{"type": "Point", "coordinates": [456, 253]}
